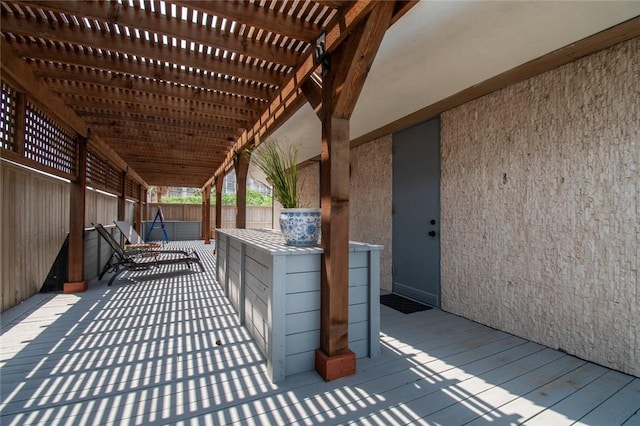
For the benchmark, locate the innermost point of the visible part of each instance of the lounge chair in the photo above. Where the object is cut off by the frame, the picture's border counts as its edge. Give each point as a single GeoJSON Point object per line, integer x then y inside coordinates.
{"type": "Point", "coordinates": [133, 238]}
{"type": "Point", "coordinates": [125, 260]}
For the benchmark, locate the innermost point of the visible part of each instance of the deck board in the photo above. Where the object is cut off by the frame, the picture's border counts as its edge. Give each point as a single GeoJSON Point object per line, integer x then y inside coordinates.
{"type": "Point", "coordinates": [165, 347]}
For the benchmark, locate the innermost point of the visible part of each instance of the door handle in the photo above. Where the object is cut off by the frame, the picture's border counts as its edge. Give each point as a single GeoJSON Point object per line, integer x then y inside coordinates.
{"type": "Point", "coordinates": [432, 233]}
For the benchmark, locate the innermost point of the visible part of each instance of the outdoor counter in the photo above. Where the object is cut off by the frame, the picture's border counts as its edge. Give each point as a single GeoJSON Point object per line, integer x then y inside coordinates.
{"type": "Point", "coordinates": [275, 289]}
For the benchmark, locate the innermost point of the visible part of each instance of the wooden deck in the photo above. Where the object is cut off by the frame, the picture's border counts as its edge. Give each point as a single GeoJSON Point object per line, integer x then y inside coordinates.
{"type": "Point", "coordinates": [165, 348]}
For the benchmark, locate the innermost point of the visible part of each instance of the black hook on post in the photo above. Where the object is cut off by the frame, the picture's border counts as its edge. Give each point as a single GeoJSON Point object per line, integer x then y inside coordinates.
{"type": "Point", "coordinates": [321, 56]}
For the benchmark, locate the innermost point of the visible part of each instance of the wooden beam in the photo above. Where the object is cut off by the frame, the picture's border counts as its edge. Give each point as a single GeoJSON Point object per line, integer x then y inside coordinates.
{"type": "Point", "coordinates": [169, 127]}
{"type": "Point", "coordinates": [161, 139]}
{"type": "Point", "coordinates": [358, 53]}
{"type": "Point", "coordinates": [259, 17]}
{"type": "Point", "coordinates": [140, 48]}
{"type": "Point", "coordinates": [339, 28]}
{"type": "Point", "coordinates": [75, 275]}
{"type": "Point", "coordinates": [40, 93]}
{"type": "Point", "coordinates": [21, 73]}
{"type": "Point", "coordinates": [312, 90]}
{"type": "Point", "coordinates": [159, 93]}
{"type": "Point", "coordinates": [195, 123]}
{"type": "Point", "coordinates": [148, 108]}
{"type": "Point", "coordinates": [145, 20]}
{"type": "Point", "coordinates": [120, 71]}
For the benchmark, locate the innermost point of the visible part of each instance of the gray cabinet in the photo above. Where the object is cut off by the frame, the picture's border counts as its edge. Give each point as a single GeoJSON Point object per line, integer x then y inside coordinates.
{"type": "Point", "coordinates": [275, 289]}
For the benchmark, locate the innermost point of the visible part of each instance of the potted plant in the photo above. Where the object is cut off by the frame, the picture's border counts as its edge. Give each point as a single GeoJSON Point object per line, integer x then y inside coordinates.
{"type": "Point", "coordinates": [300, 226]}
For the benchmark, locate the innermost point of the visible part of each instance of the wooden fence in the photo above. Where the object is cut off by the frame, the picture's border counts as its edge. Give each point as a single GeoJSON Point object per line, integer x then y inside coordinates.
{"type": "Point", "coordinates": [257, 216]}
{"type": "Point", "coordinates": [34, 224]}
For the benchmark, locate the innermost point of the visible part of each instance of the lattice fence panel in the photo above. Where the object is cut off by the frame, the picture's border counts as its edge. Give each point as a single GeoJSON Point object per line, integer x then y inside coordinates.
{"type": "Point", "coordinates": [7, 116]}
{"type": "Point", "coordinates": [48, 143]}
{"type": "Point", "coordinates": [113, 180]}
{"type": "Point", "coordinates": [101, 175]}
{"type": "Point", "coordinates": [132, 189]}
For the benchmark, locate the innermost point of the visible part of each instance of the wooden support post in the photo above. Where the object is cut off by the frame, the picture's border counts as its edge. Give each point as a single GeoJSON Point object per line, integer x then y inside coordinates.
{"type": "Point", "coordinates": [334, 359]}
{"type": "Point", "coordinates": [341, 85]}
{"type": "Point", "coordinates": [202, 214]}
{"type": "Point", "coordinates": [219, 183]}
{"type": "Point", "coordinates": [75, 278]}
{"type": "Point", "coordinates": [206, 214]}
{"type": "Point", "coordinates": [139, 208]}
{"type": "Point", "coordinates": [122, 197]}
{"type": "Point", "coordinates": [241, 165]}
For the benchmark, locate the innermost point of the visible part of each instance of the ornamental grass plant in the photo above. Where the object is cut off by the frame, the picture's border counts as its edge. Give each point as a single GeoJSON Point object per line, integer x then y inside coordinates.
{"type": "Point", "coordinates": [279, 164]}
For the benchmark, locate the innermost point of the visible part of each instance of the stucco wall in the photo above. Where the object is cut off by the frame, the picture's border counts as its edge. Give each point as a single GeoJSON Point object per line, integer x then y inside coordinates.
{"type": "Point", "coordinates": [540, 208]}
{"type": "Point", "coordinates": [309, 185]}
{"type": "Point", "coordinates": [369, 198]}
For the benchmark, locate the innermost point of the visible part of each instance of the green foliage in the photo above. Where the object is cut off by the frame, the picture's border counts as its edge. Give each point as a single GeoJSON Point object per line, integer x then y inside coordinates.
{"type": "Point", "coordinates": [191, 199]}
{"type": "Point", "coordinates": [280, 168]}
{"type": "Point", "coordinates": [254, 198]}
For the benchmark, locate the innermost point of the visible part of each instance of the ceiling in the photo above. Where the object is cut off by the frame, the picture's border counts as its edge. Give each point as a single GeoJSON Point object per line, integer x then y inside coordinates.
{"type": "Point", "coordinates": [174, 86]}
{"type": "Point", "coordinates": [169, 85]}
{"type": "Point", "coordinates": [440, 48]}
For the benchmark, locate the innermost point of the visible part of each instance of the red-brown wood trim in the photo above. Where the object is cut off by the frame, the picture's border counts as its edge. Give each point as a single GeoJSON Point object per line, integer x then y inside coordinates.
{"type": "Point", "coordinates": [138, 210]}
{"type": "Point", "coordinates": [355, 57]}
{"type": "Point", "coordinates": [75, 278]}
{"type": "Point", "coordinates": [331, 368]}
{"type": "Point", "coordinates": [334, 189]}
{"type": "Point", "coordinates": [241, 166]}
{"type": "Point", "coordinates": [206, 217]}
{"type": "Point", "coordinates": [218, 183]}
{"type": "Point", "coordinates": [122, 196]}
{"type": "Point", "coordinates": [337, 30]}
{"type": "Point", "coordinates": [312, 91]}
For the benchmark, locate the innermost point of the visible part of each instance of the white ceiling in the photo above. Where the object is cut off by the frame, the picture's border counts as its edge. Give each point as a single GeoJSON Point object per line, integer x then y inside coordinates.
{"type": "Point", "coordinates": [440, 48]}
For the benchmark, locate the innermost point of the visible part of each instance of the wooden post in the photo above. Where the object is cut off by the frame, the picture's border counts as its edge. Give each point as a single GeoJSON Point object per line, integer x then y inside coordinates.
{"type": "Point", "coordinates": [122, 197]}
{"type": "Point", "coordinates": [333, 358]}
{"type": "Point", "coordinates": [341, 85]}
{"type": "Point", "coordinates": [75, 278]}
{"type": "Point", "coordinates": [138, 212]}
{"type": "Point", "coordinates": [206, 214]}
{"type": "Point", "coordinates": [241, 165]}
{"type": "Point", "coordinates": [202, 214]}
{"type": "Point", "coordinates": [219, 183]}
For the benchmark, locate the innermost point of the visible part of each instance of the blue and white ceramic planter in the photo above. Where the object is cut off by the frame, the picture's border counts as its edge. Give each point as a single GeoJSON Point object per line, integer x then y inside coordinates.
{"type": "Point", "coordinates": [300, 227]}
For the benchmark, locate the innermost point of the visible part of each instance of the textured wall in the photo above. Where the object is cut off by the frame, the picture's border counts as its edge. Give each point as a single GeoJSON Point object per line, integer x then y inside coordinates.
{"type": "Point", "coordinates": [540, 208]}
{"type": "Point", "coordinates": [309, 185]}
{"type": "Point", "coordinates": [369, 200]}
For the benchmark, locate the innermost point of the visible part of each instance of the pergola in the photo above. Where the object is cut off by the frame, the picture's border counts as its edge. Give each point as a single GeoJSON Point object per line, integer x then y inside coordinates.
{"type": "Point", "coordinates": [171, 93]}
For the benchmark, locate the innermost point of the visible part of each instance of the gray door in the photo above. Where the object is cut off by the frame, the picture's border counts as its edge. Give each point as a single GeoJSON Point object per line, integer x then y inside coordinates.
{"type": "Point", "coordinates": [416, 212]}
